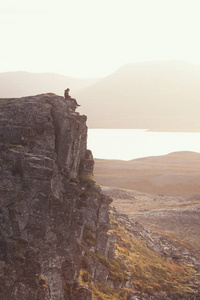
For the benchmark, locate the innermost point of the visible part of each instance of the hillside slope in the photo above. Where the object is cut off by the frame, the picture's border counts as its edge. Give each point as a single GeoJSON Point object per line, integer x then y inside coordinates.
{"type": "Point", "coordinates": [20, 84]}
{"type": "Point", "coordinates": [151, 95]}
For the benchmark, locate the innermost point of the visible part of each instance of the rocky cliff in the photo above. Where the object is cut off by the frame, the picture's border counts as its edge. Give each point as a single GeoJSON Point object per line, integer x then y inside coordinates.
{"type": "Point", "coordinates": [56, 238]}
{"type": "Point", "coordinates": [50, 206]}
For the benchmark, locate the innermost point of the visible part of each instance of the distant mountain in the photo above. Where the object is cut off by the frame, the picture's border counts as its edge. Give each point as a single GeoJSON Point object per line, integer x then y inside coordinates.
{"type": "Point", "coordinates": [151, 95]}
{"type": "Point", "coordinates": [19, 84]}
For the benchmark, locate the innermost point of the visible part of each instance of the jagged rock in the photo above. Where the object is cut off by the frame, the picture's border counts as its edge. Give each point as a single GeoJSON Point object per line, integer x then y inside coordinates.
{"type": "Point", "coordinates": [48, 208]}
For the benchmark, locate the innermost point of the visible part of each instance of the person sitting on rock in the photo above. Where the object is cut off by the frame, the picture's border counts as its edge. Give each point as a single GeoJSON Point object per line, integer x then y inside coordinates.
{"type": "Point", "coordinates": [67, 96]}
{"type": "Point", "coordinates": [72, 100]}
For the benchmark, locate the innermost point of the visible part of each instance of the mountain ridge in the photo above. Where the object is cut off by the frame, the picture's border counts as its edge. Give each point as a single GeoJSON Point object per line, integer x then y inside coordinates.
{"type": "Point", "coordinates": [22, 83]}
{"type": "Point", "coordinates": [155, 95]}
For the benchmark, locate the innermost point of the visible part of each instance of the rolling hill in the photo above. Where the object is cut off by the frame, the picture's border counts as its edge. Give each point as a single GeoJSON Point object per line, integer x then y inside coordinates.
{"type": "Point", "coordinates": [174, 174]}
{"type": "Point", "coordinates": [158, 95]}
{"type": "Point", "coordinates": [152, 95]}
{"type": "Point", "coordinates": [20, 84]}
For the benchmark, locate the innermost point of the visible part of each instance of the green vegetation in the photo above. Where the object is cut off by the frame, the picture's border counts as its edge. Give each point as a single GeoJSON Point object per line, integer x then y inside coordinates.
{"type": "Point", "coordinates": [88, 176]}
{"type": "Point", "coordinates": [147, 271]}
{"type": "Point", "coordinates": [42, 279]}
{"type": "Point", "coordinates": [150, 271]}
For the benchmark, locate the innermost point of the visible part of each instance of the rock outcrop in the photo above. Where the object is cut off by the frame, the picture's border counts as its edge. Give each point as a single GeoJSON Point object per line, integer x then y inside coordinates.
{"type": "Point", "coordinates": [51, 211]}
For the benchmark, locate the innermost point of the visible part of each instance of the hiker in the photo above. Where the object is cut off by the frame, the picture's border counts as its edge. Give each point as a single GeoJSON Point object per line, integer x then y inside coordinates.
{"type": "Point", "coordinates": [67, 96]}
{"type": "Point", "coordinates": [72, 100]}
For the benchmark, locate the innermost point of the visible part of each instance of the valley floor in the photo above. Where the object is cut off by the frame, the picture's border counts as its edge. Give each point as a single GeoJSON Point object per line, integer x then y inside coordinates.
{"type": "Point", "coordinates": [162, 193]}
{"type": "Point", "coordinates": [175, 174]}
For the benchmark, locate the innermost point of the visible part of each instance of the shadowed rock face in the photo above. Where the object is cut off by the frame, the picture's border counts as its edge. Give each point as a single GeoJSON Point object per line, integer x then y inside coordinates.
{"type": "Point", "coordinates": [50, 208]}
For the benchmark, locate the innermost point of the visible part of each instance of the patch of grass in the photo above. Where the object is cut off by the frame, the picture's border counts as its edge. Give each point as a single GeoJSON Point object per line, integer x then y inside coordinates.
{"type": "Point", "coordinates": [104, 292]}
{"type": "Point", "coordinates": [116, 272]}
{"type": "Point", "coordinates": [42, 280]}
{"type": "Point", "coordinates": [149, 270]}
{"type": "Point", "coordinates": [146, 270]}
{"type": "Point", "coordinates": [84, 278]}
{"type": "Point", "coordinates": [88, 176]}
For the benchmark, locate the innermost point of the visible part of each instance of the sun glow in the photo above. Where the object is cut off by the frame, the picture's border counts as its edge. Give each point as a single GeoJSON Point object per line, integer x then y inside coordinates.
{"type": "Point", "coordinates": [94, 38]}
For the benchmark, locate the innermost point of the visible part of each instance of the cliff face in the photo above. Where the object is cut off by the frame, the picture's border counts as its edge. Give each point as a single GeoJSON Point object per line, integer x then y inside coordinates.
{"type": "Point", "coordinates": [50, 208]}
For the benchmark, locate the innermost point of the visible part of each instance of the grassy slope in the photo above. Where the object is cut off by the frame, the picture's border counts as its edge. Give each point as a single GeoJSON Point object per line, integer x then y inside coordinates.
{"type": "Point", "coordinates": [147, 271]}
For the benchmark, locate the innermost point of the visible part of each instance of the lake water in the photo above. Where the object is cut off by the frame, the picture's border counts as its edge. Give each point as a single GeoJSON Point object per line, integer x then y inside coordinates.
{"type": "Point", "coordinates": [127, 144]}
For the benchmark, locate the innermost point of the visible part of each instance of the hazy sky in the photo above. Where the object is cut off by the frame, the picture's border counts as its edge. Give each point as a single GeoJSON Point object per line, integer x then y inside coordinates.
{"type": "Point", "coordinates": [92, 38]}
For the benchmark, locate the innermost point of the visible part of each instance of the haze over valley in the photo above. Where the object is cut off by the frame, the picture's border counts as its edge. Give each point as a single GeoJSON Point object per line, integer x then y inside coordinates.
{"type": "Point", "coordinates": [21, 84]}
{"type": "Point", "coordinates": [160, 96]}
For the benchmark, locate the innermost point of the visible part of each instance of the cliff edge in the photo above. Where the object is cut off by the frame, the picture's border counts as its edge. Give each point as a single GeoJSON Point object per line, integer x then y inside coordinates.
{"type": "Point", "coordinates": [50, 206]}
